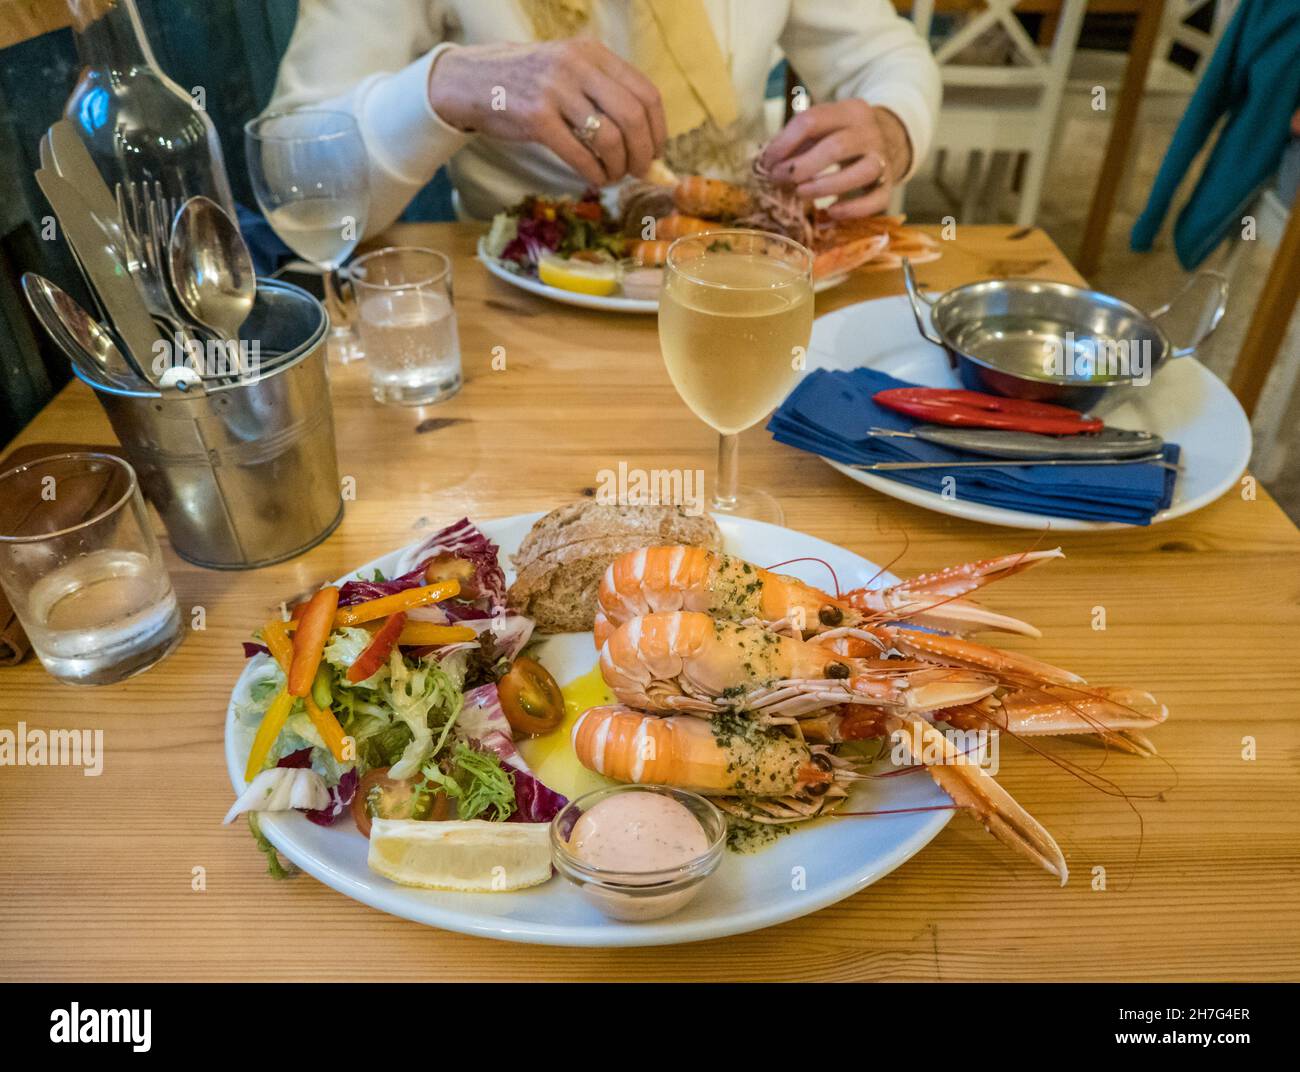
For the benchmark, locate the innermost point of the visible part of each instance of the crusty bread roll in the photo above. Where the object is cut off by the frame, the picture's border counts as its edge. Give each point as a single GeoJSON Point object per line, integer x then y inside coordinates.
{"type": "Point", "coordinates": [564, 556]}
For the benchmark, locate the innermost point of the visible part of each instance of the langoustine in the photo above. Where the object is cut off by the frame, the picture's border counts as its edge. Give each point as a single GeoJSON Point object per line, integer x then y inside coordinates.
{"type": "Point", "coordinates": [687, 632]}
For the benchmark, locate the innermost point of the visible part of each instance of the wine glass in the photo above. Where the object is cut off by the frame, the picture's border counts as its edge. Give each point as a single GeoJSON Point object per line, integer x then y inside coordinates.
{"type": "Point", "coordinates": [310, 174]}
{"type": "Point", "coordinates": [735, 317]}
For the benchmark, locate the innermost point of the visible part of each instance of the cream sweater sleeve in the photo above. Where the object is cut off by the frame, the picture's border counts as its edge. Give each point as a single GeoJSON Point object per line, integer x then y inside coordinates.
{"type": "Point", "coordinates": [864, 48]}
{"type": "Point", "coordinates": [372, 58]}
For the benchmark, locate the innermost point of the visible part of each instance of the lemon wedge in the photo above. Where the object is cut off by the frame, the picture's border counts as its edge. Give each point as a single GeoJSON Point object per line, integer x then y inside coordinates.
{"type": "Point", "coordinates": [584, 277]}
{"type": "Point", "coordinates": [469, 857]}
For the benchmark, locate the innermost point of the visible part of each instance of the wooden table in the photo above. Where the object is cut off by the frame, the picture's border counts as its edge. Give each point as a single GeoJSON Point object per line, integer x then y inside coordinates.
{"type": "Point", "coordinates": [96, 873]}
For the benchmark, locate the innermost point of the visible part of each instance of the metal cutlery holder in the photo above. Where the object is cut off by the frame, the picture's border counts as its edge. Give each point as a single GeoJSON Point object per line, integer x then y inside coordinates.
{"type": "Point", "coordinates": [244, 474]}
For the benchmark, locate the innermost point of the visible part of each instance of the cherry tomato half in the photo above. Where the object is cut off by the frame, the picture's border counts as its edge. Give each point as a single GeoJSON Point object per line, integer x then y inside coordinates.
{"type": "Point", "coordinates": [381, 797]}
{"type": "Point", "coordinates": [530, 698]}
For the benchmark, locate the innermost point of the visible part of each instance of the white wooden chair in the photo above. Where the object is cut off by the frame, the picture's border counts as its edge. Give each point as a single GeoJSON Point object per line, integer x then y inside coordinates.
{"type": "Point", "coordinates": [1169, 85]}
{"type": "Point", "coordinates": [997, 115]}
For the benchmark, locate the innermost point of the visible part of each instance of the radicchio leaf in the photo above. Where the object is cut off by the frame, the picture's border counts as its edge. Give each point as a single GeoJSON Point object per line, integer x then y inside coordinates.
{"type": "Point", "coordinates": [353, 592]}
{"type": "Point", "coordinates": [340, 795]}
{"type": "Point", "coordinates": [340, 798]}
{"type": "Point", "coordinates": [483, 721]}
{"type": "Point", "coordinates": [464, 540]}
{"type": "Point", "coordinates": [534, 802]}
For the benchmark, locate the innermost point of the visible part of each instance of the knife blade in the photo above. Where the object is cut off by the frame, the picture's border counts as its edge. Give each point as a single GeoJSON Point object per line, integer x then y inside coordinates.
{"type": "Point", "coordinates": [72, 161]}
{"type": "Point", "coordinates": [91, 241]}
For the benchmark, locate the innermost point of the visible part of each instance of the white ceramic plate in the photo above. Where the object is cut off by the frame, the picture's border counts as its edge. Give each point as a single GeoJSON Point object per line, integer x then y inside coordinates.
{"type": "Point", "coordinates": [611, 304]}
{"type": "Point", "coordinates": [839, 856]}
{"type": "Point", "coordinates": [1185, 404]}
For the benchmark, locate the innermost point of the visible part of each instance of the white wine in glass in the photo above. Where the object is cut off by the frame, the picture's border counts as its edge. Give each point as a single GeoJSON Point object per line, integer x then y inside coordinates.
{"type": "Point", "coordinates": [310, 175]}
{"type": "Point", "coordinates": [735, 316]}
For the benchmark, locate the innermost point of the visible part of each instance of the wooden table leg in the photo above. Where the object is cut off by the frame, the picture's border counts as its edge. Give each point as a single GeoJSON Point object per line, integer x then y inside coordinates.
{"type": "Point", "coordinates": [1150, 15]}
{"type": "Point", "coordinates": [1272, 316]}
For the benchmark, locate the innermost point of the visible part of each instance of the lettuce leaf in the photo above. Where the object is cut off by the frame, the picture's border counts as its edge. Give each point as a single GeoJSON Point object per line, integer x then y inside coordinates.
{"type": "Point", "coordinates": [416, 694]}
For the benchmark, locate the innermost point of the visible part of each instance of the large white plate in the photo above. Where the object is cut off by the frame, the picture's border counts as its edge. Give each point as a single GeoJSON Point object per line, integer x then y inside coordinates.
{"type": "Point", "coordinates": [1185, 404]}
{"type": "Point", "coordinates": [838, 856]}
{"type": "Point", "coordinates": [611, 304]}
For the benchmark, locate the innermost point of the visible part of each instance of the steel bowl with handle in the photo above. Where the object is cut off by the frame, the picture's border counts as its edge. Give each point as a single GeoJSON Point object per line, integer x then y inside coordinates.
{"type": "Point", "coordinates": [1053, 342]}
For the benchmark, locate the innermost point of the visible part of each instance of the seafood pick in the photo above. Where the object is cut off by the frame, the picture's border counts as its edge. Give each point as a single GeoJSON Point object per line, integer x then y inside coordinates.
{"type": "Point", "coordinates": [746, 684]}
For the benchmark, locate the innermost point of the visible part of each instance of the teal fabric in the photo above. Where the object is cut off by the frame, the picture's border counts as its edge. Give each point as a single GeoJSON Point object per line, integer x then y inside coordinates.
{"type": "Point", "coordinates": [1252, 81]}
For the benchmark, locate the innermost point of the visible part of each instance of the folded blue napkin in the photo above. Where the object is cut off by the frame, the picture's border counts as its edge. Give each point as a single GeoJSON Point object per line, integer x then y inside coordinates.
{"type": "Point", "coordinates": [830, 413]}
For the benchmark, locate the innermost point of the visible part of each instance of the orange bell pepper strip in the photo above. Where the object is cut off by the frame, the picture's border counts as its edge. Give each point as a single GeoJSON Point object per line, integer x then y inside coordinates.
{"type": "Point", "coordinates": [328, 727]}
{"type": "Point", "coordinates": [413, 635]}
{"type": "Point", "coordinates": [376, 652]}
{"type": "Point", "coordinates": [272, 723]}
{"type": "Point", "coordinates": [309, 639]}
{"type": "Point", "coordinates": [430, 634]}
{"type": "Point", "coordinates": [385, 605]}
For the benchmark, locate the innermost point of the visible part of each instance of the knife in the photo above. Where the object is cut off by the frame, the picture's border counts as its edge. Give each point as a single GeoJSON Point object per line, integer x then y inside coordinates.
{"type": "Point", "coordinates": [72, 161]}
{"type": "Point", "coordinates": [1029, 446]}
{"type": "Point", "coordinates": [1006, 463]}
{"type": "Point", "coordinates": [91, 241]}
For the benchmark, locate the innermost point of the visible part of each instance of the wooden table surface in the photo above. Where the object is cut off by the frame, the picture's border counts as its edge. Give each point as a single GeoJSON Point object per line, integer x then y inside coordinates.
{"type": "Point", "coordinates": [96, 874]}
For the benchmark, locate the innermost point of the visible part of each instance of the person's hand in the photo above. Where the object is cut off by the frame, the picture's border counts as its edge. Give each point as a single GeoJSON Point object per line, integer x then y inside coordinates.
{"type": "Point", "coordinates": [545, 92]}
{"type": "Point", "coordinates": [869, 144]}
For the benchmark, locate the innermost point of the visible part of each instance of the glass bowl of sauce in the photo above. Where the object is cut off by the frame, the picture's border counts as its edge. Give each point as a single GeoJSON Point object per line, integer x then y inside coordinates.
{"type": "Point", "coordinates": [638, 852]}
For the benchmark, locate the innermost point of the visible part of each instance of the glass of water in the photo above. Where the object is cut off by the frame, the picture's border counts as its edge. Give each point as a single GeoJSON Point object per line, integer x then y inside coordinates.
{"type": "Point", "coordinates": [407, 324]}
{"type": "Point", "coordinates": [82, 569]}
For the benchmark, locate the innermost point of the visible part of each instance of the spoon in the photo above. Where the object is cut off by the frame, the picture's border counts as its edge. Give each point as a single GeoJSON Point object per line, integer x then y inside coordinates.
{"type": "Point", "coordinates": [210, 268]}
{"type": "Point", "coordinates": [87, 343]}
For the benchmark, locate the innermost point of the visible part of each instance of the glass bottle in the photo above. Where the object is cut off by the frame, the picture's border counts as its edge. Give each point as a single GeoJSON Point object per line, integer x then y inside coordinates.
{"type": "Point", "coordinates": [138, 124]}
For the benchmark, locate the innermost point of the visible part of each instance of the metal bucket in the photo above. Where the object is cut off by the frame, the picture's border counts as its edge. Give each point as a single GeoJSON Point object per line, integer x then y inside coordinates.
{"type": "Point", "coordinates": [244, 473]}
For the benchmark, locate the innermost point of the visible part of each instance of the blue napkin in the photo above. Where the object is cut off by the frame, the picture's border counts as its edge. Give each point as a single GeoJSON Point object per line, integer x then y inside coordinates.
{"type": "Point", "coordinates": [830, 413]}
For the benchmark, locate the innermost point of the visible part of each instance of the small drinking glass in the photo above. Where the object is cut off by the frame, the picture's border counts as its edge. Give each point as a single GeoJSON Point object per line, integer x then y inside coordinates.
{"type": "Point", "coordinates": [407, 324]}
{"type": "Point", "coordinates": [92, 594]}
{"type": "Point", "coordinates": [310, 175]}
{"type": "Point", "coordinates": [735, 318]}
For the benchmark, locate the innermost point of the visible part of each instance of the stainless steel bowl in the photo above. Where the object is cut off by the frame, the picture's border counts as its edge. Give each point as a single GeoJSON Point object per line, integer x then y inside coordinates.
{"type": "Point", "coordinates": [1052, 342]}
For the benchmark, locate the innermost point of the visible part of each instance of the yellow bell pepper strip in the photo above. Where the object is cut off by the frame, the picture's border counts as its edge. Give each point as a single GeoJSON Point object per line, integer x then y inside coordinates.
{"type": "Point", "coordinates": [328, 727]}
{"type": "Point", "coordinates": [430, 634]}
{"type": "Point", "coordinates": [309, 639]}
{"type": "Point", "coordinates": [276, 637]}
{"type": "Point", "coordinates": [382, 607]}
{"type": "Point", "coordinates": [272, 723]}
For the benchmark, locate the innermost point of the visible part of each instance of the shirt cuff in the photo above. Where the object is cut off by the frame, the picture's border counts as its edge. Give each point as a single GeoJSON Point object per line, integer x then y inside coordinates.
{"type": "Point", "coordinates": [404, 135]}
{"type": "Point", "coordinates": [913, 112]}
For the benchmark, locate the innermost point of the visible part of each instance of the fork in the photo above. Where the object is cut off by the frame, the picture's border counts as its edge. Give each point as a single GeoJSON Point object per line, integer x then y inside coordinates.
{"type": "Point", "coordinates": [146, 223]}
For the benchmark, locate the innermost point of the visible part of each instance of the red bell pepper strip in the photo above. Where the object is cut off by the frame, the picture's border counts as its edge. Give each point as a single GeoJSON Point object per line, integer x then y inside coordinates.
{"type": "Point", "coordinates": [309, 639]}
{"type": "Point", "coordinates": [376, 652]}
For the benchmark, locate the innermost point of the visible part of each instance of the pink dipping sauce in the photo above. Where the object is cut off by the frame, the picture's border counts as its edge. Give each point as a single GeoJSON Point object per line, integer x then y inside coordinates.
{"type": "Point", "coordinates": [634, 832]}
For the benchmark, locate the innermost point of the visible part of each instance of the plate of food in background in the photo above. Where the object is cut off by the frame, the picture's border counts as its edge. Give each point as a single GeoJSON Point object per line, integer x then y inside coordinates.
{"type": "Point", "coordinates": [436, 733]}
{"type": "Point", "coordinates": [593, 254]}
